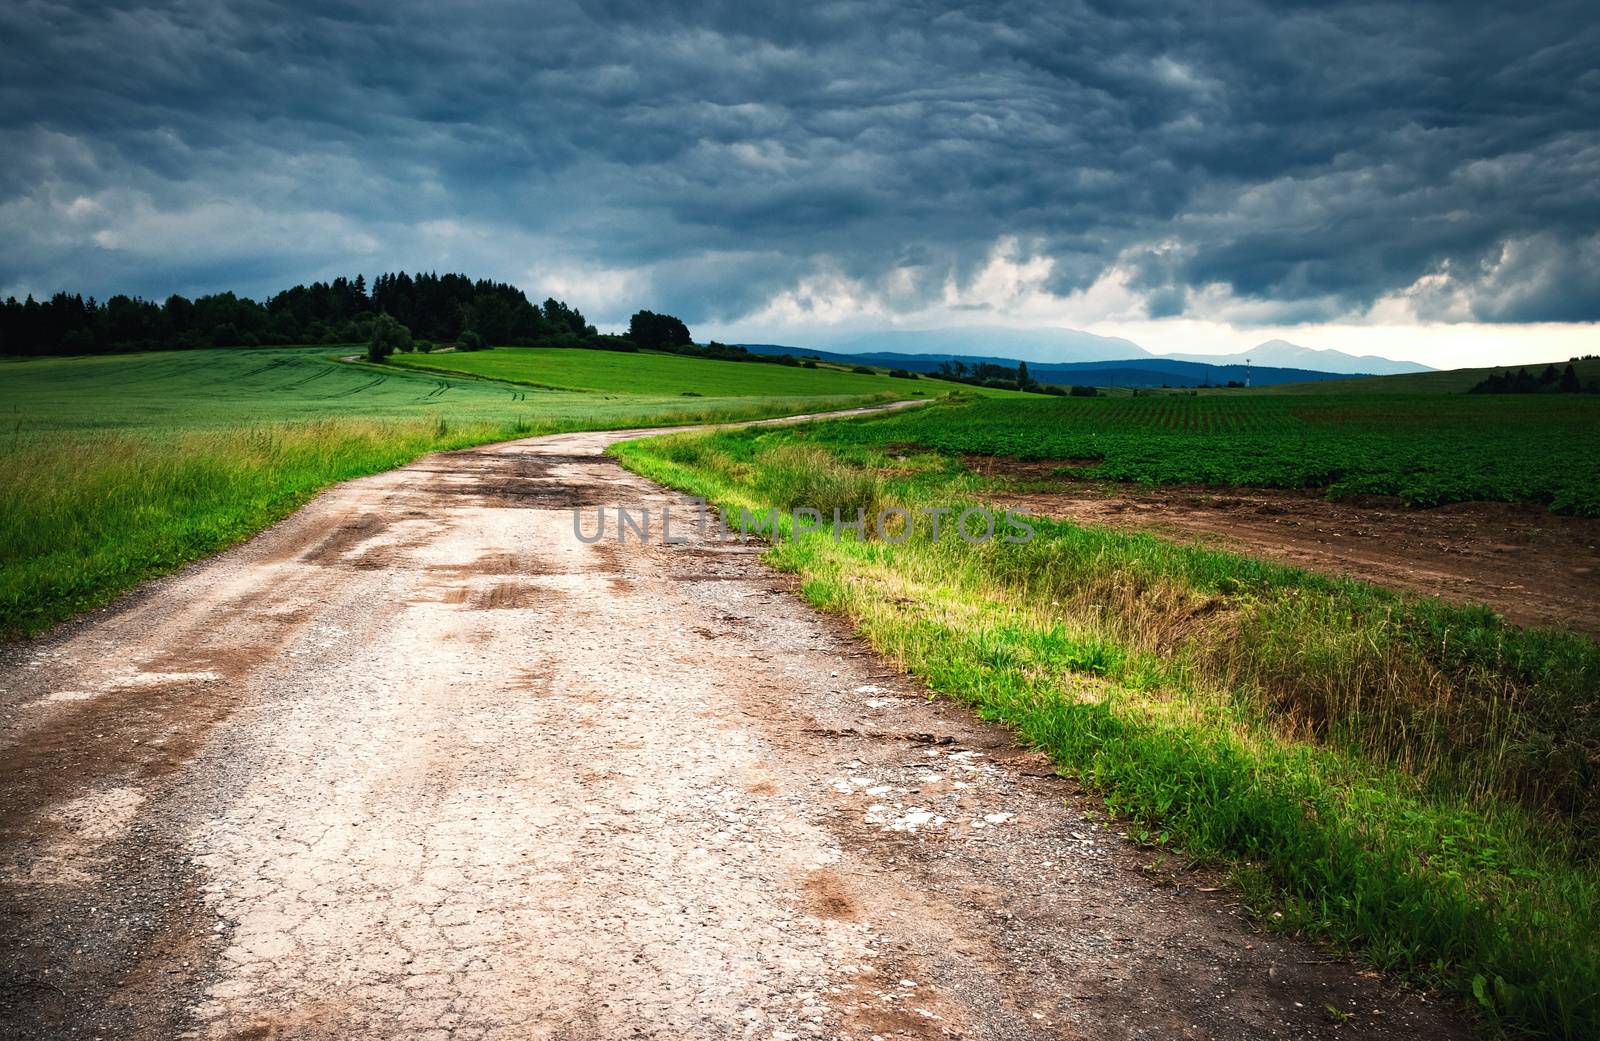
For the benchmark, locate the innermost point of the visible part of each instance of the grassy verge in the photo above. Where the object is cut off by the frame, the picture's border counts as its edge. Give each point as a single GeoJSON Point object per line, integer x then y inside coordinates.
{"type": "Point", "coordinates": [86, 515]}
{"type": "Point", "coordinates": [1412, 782]}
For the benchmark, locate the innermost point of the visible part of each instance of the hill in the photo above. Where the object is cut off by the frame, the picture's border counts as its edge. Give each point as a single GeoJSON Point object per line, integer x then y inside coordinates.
{"type": "Point", "coordinates": [1052, 346]}
{"type": "Point", "coordinates": [1030, 345]}
{"type": "Point", "coordinates": [1448, 381]}
{"type": "Point", "coordinates": [1283, 354]}
{"type": "Point", "coordinates": [158, 393]}
{"type": "Point", "coordinates": [671, 375]}
{"type": "Point", "coordinates": [1128, 372]}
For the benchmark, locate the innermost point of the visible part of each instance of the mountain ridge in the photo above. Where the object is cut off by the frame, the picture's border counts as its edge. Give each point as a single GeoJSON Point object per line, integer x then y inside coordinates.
{"type": "Point", "coordinates": [1284, 353]}
{"type": "Point", "coordinates": [1127, 372]}
{"type": "Point", "coordinates": [1059, 345]}
{"type": "Point", "coordinates": [1045, 344]}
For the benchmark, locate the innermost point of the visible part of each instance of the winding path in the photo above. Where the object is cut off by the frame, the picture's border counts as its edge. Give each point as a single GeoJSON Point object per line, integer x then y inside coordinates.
{"type": "Point", "coordinates": [417, 763]}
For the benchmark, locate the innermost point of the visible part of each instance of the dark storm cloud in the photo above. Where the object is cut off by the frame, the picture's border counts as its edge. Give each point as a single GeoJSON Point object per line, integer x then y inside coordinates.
{"type": "Point", "coordinates": [1316, 156]}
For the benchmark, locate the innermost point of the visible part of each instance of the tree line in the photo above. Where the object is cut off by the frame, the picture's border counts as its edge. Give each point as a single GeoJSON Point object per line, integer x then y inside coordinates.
{"type": "Point", "coordinates": [432, 307]}
{"type": "Point", "coordinates": [399, 312]}
{"type": "Point", "coordinates": [988, 374]}
{"type": "Point", "coordinates": [1524, 382]}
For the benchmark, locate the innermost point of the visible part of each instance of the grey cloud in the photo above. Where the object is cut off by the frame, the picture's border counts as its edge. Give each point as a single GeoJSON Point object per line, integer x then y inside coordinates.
{"type": "Point", "coordinates": [1315, 156]}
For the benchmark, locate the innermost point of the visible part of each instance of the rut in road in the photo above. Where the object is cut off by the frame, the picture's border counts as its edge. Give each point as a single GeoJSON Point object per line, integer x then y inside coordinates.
{"type": "Point", "coordinates": [417, 763]}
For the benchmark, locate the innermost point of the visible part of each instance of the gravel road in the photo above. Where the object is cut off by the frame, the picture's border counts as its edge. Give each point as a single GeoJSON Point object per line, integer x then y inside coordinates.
{"type": "Point", "coordinates": [418, 763]}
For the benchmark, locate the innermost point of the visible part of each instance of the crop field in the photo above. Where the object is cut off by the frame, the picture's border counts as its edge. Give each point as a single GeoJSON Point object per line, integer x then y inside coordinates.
{"type": "Point", "coordinates": [223, 388]}
{"type": "Point", "coordinates": [1427, 450]}
{"type": "Point", "coordinates": [120, 467]}
{"type": "Point", "coordinates": [665, 374]}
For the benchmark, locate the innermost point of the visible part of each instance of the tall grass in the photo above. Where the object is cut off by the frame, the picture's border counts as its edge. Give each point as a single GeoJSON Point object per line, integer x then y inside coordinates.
{"type": "Point", "coordinates": [85, 516]}
{"type": "Point", "coordinates": [1413, 781]}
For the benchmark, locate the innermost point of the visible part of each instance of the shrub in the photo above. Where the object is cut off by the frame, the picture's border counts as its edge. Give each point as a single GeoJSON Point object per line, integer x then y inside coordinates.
{"type": "Point", "coordinates": [388, 336]}
{"type": "Point", "coordinates": [660, 331]}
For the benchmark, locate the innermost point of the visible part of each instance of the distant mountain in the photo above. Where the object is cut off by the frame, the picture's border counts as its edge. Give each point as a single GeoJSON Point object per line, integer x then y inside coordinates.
{"type": "Point", "coordinates": [1283, 354]}
{"type": "Point", "coordinates": [1172, 372]}
{"type": "Point", "coordinates": [1030, 345]}
{"type": "Point", "coordinates": [1057, 346]}
{"type": "Point", "coordinates": [1130, 372]}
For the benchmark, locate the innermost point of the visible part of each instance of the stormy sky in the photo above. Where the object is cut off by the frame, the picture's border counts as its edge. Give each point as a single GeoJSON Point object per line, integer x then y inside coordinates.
{"type": "Point", "coordinates": [1417, 179]}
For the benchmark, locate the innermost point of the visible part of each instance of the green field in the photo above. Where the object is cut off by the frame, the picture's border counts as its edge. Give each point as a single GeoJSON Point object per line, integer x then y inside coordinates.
{"type": "Point", "coordinates": [666, 374]}
{"type": "Point", "coordinates": [1449, 381]}
{"type": "Point", "coordinates": [1412, 781]}
{"type": "Point", "coordinates": [221, 388]}
{"type": "Point", "coordinates": [120, 467]}
{"type": "Point", "coordinates": [1427, 450]}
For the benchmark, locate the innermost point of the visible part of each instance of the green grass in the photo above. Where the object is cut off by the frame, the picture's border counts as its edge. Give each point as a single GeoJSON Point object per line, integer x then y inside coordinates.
{"type": "Point", "coordinates": [121, 467]}
{"type": "Point", "coordinates": [1410, 781]}
{"type": "Point", "coordinates": [1542, 449]}
{"type": "Point", "coordinates": [665, 374]}
{"type": "Point", "coordinates": [222, 388]}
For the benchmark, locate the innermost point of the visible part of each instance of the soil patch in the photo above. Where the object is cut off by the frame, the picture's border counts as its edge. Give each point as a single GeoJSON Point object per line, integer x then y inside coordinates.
{"type": "Point", "coordinates": [1531, 566]}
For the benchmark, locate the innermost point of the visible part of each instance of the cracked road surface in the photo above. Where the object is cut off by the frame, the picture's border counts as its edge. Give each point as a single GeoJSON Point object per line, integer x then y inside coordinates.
{"type": "Point", "coordinates": [417, 763]}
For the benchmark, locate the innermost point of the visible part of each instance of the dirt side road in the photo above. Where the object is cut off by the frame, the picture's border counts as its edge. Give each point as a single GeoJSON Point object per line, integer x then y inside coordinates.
{"type": "Point", "coordinates": [417, 763]}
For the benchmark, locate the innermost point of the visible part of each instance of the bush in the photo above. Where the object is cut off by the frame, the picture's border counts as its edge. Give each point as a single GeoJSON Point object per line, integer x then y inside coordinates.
{"type": "Point", "coordinates": [388, 336]}
{"type": "Point", "coordinates": [659, 331]}
{"type": "Point", "coordinates": [862, 369]}
{"type": "Point", "coordinates": [470, 341]}
{"type": "Point", "coordinates": [1084, 392]}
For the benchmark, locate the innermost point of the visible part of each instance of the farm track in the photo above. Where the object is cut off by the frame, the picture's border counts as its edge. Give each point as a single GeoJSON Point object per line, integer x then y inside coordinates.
{"type": "Point", "coordinates": [419, 763]}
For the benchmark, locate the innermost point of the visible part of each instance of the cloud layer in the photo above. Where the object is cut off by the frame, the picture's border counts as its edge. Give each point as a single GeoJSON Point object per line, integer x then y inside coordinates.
{"type": "Point", "coordinates": [1227, 161]}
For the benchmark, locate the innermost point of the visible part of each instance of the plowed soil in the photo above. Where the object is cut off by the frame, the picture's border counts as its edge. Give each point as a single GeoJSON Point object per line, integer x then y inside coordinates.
{"type": "Point", "coordinates": [1531, 566]}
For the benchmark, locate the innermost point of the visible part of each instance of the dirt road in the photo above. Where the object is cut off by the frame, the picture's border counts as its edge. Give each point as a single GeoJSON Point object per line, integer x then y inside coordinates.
{"type": "Point", "coordinates": [417, 763]}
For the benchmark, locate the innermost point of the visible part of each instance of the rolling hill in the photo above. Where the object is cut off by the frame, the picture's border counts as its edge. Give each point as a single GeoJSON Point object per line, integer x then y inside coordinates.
{"type": "Point", "coordinates": [1071, 355]}
{"type": "Point", "coordinates": [1129, 372]}
{"type": "Point", "coordinates": [1030, 345]}
{"type": "Point", "coordinates": [1283, 354]}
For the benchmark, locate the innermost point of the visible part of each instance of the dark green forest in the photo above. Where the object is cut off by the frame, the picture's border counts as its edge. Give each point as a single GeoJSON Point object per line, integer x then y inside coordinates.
{"type": "Point", "coordinates": [433, 307]}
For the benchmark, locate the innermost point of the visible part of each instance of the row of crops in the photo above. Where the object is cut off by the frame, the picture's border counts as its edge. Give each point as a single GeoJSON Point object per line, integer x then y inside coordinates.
{"type": "Point", "coordinates": [1427, 450]}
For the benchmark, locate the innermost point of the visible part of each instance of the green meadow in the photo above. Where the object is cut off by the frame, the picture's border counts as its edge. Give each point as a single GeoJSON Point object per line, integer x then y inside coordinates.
{"type": "Point", "coordinates": [644, 372]}
{"type": "Point", "coordinates": [207, 389]}
{"type": "Point", "coordinates": [120, 467]}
